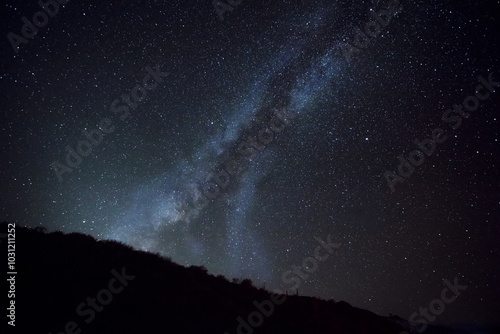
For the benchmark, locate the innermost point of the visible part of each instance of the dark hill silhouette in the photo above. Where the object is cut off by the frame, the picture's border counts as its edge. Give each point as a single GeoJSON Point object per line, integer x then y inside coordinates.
{"type": "Point", "coordinates": [57, 273]}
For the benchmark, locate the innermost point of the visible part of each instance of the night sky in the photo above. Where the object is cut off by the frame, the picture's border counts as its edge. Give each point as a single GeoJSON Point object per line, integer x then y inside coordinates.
{"type": "Point", "coordinates": [303, 119]}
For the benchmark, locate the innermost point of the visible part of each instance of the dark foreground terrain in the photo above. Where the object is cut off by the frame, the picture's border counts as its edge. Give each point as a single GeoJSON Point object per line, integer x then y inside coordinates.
{"type": "Point", "coordinates": [71, 283]}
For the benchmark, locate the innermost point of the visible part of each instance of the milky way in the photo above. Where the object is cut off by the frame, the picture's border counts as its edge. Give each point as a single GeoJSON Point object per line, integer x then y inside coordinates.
{"type": "Point", "coordinates": [161, 219]}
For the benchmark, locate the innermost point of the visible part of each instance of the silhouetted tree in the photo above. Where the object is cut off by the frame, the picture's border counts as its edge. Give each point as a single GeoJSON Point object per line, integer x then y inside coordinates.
{"type": "Point", "coordinates": [247, 283]}
{"type": "Point", "coordinates": [41, 229]}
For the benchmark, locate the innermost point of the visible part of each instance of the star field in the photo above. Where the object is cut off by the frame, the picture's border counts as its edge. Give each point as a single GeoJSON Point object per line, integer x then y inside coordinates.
{"type": "Point", "coordinates": [310, 118]}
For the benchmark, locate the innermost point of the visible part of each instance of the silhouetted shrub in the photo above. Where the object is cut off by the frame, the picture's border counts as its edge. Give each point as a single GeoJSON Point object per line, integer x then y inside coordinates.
{"type": "Point", "coordinates": [247, 283]}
